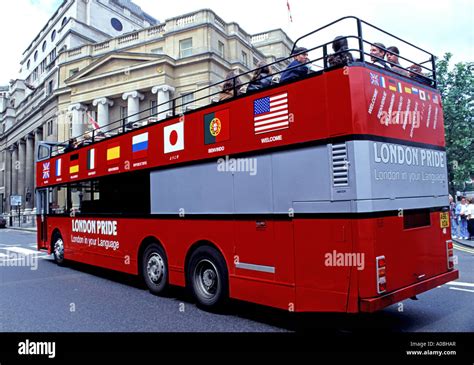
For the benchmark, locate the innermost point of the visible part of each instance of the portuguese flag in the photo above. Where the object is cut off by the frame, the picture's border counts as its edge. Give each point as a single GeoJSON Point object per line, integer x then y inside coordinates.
{"type": "Point", "coordinates": [216, 127]}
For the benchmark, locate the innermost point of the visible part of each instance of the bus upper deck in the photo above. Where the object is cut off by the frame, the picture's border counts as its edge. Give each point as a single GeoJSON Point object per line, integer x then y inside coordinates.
{"type": "Point", "coordinates": [358, 100]}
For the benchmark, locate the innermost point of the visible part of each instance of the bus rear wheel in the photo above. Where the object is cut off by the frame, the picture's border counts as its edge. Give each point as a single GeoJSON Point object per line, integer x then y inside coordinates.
{"type": "Point", "coordinates": [155, 269]}
{"type": "Point", "coordinates": [208, 278]}
{"type": "Point", "coordinates": [58, 249]}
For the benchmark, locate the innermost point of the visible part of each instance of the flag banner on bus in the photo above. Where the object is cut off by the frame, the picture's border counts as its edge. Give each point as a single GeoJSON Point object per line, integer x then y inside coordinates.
{"type": "Point", "coordinates": [58, 167]}
{"type": "Point", "coordinates": [271, 113]}
{"type": "Point", "coordinates": [91, 159]}
{"type": "Point", "coordinates": [74, 164]}
{"type": "Point", "coordinates": [46, 170]}
{"type": "Point", "coordinates": [173, 136]}
{"type": "Point", "coordinates": [216, 127]}
{"type": "Point", "coordinates": [140, 145]}
{"type": "Point", "coordinates": [113, 153]}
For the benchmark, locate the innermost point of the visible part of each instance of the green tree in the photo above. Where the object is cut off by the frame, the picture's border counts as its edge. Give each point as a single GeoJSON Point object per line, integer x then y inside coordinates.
{"type": "Point", "coordinates": [456, 86]}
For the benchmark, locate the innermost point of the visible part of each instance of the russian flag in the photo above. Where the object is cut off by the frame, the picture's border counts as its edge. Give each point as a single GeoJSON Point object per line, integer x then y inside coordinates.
{"type": "Point", "coordinates": [140, 145]}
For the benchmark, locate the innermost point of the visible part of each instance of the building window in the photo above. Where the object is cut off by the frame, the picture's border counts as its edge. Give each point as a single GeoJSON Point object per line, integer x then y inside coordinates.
{"type": "Point", "coordinates": [35, 57]}
{"type": "Point", "coordinates": [185, 47]}
{"type": "Point", "coordinates": [34, 75]}
{"type": "Point", "coordinates": [52, 55]}
{"type": "Point", "coordinates": [28, 65]}
{"type": "Point", "coordinates": [153, 106]}
{"type": "Point", "coordinates": [116, 24]}
{"type": "Point", "coordinates": [255, 61]}
{"type": "Point", "coordinates": [44, 46]}
{"type": "Point", "coordinates": [73, 71]}
{"type": "Point", "coordinates": [50, 87]}
{"type": "Point", "coordinates": [245, 60]}
{"type": "Point", "coordinates": [187, 100]}
{"type": "Point", "coordinates": [158, 50]}
{"type": "Point", "coordinates": [49, 128]}
{"type": "Point", "coordinates": [43, 66]}
{"type": "Point", "coordinates": [63, 23]}
{"type": "Point", "coordinates": [123, 113]}
{"type": "Point", "coordinates": [220, 49]}
{"type": "Point", "coordinates": [53, 35]}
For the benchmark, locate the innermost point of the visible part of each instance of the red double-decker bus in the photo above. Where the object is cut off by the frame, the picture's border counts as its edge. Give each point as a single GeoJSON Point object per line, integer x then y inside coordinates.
{"type": "Point", "coordinates": [322, 193]}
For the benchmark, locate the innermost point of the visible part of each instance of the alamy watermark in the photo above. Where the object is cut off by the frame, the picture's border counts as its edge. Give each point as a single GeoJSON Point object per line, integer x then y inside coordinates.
{"type": "Point", "coordinates": [228, 164]}
{"type": "Point", "coordinates": [15, 259]}
{"type": "Point", "coordinates": [345, 259]}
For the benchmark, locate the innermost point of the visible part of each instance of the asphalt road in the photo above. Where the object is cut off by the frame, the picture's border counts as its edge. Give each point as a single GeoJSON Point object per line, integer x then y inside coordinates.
{"type": "Point", "coordinates": [80, 298]}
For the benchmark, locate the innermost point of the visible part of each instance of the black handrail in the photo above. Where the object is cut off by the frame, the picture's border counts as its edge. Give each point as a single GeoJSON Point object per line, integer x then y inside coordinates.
{"type": "Point", "coordinates": [173, 102]}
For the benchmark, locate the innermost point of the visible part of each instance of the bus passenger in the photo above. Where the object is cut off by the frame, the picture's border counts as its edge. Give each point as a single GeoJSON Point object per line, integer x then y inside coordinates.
{"type": "Point", "coordinates": [377, 55]}
{"type": "Point", "coordinates": [229, 87]}
{"type": "Point", "coordinates": [261, 77]}
{"type": "Point", "coordinates": [392, 57]}
{"type": "Point", "coordinates": [341, 55]}
{"type": "Point", "coordinates": [417, 74]}
{"type": "Point", "coordinates": [297, 68]}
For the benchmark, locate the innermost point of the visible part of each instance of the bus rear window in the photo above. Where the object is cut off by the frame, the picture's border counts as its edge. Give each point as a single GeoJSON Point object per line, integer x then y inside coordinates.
{"type": "Point", "coordinates": [416, 218]}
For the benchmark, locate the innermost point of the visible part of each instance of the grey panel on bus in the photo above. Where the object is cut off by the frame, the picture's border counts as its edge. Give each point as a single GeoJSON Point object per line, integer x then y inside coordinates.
{"type": "Point", "coordinates": [253, 187]}
{"type": "Point", "coordinates": [379, 178]}
{"type": "Point", "coordinates": [194, 189]}
{"type": "Point", "coordinates": [300, 176]}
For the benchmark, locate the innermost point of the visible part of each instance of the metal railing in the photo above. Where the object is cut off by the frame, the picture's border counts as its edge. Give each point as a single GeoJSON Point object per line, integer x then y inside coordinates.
{"type": "Point", "coordinates": [176, 107]}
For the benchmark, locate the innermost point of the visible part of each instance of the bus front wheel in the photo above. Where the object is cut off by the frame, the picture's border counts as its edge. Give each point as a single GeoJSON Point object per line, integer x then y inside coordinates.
{"type": "Point", "coordinates": [155, 269]}
{"type": "Point", "coordinates": [208, 278]}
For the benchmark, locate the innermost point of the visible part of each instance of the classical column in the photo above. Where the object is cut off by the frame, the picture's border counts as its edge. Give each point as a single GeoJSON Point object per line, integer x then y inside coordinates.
{"type": "Point", "coordinates": [29, 170]}
{"type": "Point", "coordinates": [8, 172]}
{"type": "Point", "coordinates": [103, 105]}
{"type": "Point", "coordinates": [133, 99]}
{"type": "Point", "coordinates": [164, 96]}
{"type": "Point", "coordinates": [38, 138]}
{"type": "Point", "coordinates": [14, 187]}
{"type": "Point", "coordinates": [21, 170]}
{"type": "Point", "coordinates": [77, 111]}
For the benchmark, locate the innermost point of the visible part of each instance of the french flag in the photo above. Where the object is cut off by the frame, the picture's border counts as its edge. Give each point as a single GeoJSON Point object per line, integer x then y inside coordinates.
{"type": "Point", "coordinates": [140, 145]}
{"type": "Point", "coordinates": [58, 167]}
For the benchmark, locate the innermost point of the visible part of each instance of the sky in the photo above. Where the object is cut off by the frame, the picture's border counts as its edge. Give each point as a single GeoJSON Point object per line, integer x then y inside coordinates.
{"type": "Point", "coordinates": [436, 26]}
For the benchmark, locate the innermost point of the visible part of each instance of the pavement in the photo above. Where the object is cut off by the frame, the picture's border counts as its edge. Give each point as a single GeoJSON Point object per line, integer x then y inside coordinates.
{"type": "Point", "coordinates": [468, 243]}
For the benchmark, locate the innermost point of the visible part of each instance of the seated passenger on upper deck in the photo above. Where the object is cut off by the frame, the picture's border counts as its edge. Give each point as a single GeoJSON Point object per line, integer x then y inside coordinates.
{"type": "Point", "coordinates": [377, 55]}
{"type": "Point", "coordinates": [417, 75]}
{"type": "Point", "coordinates": [228, 87]}
{"type": "Point", "coordinates": [297, 68]}
{"type": "Point", "coordinates": [261, 77]}
{"type": "Point", "coordinates": [392, 57]}
{"type": "Point", "coordinates": [341, 55]}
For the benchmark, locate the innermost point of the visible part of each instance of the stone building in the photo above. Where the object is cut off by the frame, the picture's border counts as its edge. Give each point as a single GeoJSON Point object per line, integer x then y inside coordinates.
{"type": "Point", "coordinates": [123, 77]}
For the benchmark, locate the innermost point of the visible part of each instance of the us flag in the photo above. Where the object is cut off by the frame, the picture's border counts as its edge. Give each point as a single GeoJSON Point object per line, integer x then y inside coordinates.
{"type": "Point", "coordinates": [271, 113]}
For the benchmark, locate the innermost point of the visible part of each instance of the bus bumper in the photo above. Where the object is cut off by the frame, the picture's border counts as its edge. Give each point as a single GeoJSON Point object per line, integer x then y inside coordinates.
{"type": "Point", "coordinates": [375, 304]}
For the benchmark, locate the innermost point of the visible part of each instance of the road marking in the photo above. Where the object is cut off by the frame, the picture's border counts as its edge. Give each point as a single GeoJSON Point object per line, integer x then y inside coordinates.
{"type": "Point", "coordinates": [461, 289]}
{"type": "Point", "coordinates": [21, 250]}
{"type": "Point", "coordinates": [462, 248]}
{"type": "Point", "coordinates": [459, 283]}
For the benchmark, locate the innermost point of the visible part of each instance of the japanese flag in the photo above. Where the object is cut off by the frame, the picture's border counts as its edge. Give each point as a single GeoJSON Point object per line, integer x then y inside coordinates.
{"type": "Point", "coordinates": [174, 137]}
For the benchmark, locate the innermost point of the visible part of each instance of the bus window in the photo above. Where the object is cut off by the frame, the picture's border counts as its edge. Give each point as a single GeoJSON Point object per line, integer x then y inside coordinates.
{"type": "Point", "coordinates": [58, 200]}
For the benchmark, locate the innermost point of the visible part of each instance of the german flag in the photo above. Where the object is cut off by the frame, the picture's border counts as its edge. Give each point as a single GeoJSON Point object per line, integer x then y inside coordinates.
{"type": "Point", "coordinates": [216, 127]}
{"type": "Point", "coordinates": [74, 164]}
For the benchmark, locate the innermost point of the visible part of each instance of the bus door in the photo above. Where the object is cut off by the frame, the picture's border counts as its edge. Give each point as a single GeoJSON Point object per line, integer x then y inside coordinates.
{"type": "Point", "coordinates": [42, 209]}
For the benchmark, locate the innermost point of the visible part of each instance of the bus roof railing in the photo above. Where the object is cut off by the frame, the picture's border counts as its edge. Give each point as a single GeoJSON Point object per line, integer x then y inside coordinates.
{"type": "Point", "coordinates": [169, 108]}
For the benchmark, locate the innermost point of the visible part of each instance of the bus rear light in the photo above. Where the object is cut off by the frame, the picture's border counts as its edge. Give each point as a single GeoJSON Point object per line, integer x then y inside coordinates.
{"type": "Point", "coordinates": [450, 254]}
{"type": "Point", "coordinates": [381, 277]}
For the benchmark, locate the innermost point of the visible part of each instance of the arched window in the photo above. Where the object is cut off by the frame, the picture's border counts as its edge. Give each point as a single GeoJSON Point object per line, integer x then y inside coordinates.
{"type": "Point", "coordinates": [53, 35]}
{"type": "Point", "coordinates": [63, 23]}
{"type": "Point", "coordinates": [44, 46]}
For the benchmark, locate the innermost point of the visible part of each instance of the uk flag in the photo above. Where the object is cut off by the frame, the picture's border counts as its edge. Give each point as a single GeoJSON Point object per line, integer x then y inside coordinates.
{"type": "Point", "coordinates": [46, 170]}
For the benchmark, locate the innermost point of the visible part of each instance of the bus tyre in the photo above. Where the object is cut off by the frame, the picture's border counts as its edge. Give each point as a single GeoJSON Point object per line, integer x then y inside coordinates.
{"type": "Point", "coordinates": [208, 278]}
{"type": "Point", "coordinates": [155, 269]}
{"type": "Point", "coordinates": [58, 249]}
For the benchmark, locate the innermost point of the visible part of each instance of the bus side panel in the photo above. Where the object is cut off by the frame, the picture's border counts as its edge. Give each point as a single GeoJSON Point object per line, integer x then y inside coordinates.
{"type": "Point", "coordinates": [275, 288]}
{"type": "Point", "coordinates": [322, 274]}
